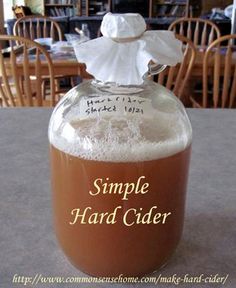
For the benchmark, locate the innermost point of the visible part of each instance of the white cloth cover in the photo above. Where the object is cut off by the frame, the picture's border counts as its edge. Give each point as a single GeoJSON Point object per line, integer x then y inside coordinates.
{"type": "Point", "coordinates": [126, 62]}
{"type": "Point", "coordinates": [122, 25]}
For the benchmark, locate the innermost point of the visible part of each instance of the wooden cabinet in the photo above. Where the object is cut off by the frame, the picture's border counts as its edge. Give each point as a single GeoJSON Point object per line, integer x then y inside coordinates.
{"type": "Point", "coordinates": [92, 7]}
{"type": "Point", "coordinates": [208, 5]}
{"type": "Point", "coordinates": [56, 8]}
{"type": "Point", "coordinates": [148, 8]}
{"type": "Point", "coordinates": [151, 8]}
{"type": "Point", "coordinates": [98, 7]}
{"type": "Point", "coordinates": [169, 8]}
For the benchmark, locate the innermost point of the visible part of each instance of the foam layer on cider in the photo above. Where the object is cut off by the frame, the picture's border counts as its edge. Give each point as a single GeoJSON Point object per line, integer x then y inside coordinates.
{"type": "Point", "coordinates": [120, 139]}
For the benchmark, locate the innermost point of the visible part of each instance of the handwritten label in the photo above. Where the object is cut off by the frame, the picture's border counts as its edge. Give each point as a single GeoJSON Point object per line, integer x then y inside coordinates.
{"type": "Point", "coordinates": [92, 107]}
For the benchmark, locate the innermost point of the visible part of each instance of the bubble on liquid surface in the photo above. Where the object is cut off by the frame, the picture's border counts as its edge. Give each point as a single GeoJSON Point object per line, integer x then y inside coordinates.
{"type": "Point", "coordinates": [124, 139]}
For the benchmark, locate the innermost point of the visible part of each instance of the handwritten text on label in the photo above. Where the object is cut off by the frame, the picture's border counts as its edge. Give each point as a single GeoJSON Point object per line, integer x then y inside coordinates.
{"type": "Point", "coordinates": [92, 107]}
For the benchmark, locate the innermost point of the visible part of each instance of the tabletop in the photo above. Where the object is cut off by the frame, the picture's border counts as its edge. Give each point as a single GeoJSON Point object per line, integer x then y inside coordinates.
{"type": "Point", "coordinates": [28, 246]}
{"type": "Point", "coordinates": [197, 69]}
{"type": "Point", "coordinates": [64, 63]}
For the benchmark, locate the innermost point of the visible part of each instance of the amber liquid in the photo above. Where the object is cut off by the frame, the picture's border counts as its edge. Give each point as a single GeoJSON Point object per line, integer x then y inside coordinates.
{"type": "Point", "coordinates": [109, 250]}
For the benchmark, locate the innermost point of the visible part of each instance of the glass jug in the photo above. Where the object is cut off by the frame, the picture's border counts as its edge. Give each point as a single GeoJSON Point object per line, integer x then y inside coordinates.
{"type": "Point", "coordinates": [119, 167]}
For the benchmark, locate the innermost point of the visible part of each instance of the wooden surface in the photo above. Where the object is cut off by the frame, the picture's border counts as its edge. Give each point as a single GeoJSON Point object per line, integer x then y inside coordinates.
{"type": "Point", "coordinates": [61, 66]}
{"type": "Point", "coordinates": [198, 63]}
{"type": "Point", "coordinates": [17, 86]}
{"type": "Point", "coordinates": [37, 26]}
{"type": "Point", "coordinates": [215, 69]}
{"type": "Point", "coordinates": [176, 78]}
{"type": "Point", "coordinates": [67, 69]}
{"type": "Point", "coordinates": [1, 18]}
{"type": "Point", "coordinates": [200, 31]}
{"type": "Point", "coordinates": [222, 67]}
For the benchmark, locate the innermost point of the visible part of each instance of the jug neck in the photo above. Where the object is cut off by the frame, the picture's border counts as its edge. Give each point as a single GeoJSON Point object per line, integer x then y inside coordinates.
{"type": "Point", "coordinates": [115, 88]}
